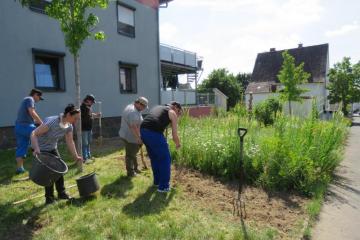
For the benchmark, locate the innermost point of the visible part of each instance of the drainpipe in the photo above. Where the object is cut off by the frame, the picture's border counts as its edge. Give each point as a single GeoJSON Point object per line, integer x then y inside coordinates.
{"type": "Point", "coordinates": [158, 55]}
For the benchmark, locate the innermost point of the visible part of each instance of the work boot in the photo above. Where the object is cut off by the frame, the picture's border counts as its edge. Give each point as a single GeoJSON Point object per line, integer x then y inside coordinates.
{"type": "Point", "coordinates": [49, 200]}
{"type": "Point", "coordinates": [64, 196]}
{"type": "Point", "coordinates": [131, 174]}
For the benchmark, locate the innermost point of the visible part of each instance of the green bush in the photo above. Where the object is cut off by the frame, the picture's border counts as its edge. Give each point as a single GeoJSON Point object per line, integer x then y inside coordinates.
{"type": "Point", "coordinates": [293, 153]}
{"type": "Point", "coordinates": [267, 110]}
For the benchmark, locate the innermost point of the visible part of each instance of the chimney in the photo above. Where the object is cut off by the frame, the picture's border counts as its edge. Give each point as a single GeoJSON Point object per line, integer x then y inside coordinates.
{"type": "Point", "coordinates": [300, 45]}
{"type": "Point", "coordinates": [272, 49]}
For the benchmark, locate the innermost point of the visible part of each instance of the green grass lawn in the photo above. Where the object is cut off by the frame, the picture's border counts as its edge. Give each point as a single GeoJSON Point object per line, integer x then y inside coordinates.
{"type": "Point", "coordinates": [123, 209]}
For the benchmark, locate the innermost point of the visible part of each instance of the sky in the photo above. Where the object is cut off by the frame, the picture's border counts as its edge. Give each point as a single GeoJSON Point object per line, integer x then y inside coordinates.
{"type": "Point", "coordinates": [230, 33]}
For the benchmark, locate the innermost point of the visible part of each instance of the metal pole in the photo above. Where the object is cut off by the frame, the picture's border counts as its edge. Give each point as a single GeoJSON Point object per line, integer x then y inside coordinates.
{"type": "Point", "coordinates": [100, 123]}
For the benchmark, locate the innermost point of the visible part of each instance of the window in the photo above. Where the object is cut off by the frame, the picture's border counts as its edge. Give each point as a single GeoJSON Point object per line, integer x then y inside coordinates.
{"type": "Point", "coordinates": [126, 20]}
{"type": "Point", "coordinates": [39, 5]}
{"type": "Point", "coordinates": [127, 77]}
{"type": "Point", "coordinates": [49, 70]}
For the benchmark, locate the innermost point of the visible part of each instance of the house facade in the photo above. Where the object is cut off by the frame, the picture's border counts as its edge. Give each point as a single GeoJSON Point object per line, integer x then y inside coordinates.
{"type": "Point", "coordinates": [265, 83]}
{"type": "Point", "coordinates": [126, 65]}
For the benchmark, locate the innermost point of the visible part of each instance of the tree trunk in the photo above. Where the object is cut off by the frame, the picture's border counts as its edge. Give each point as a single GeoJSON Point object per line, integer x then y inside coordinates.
{"type": "Point", "coordinates": [290, 110]}
{"type": "Point", "coordinates": [343, 108]}
{"type": "Point", "coordinates": [78, 102]}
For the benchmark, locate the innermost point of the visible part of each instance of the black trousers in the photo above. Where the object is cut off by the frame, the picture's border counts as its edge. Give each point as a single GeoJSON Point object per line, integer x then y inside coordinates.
{"type": "Point", "coordinates": [59, 184]}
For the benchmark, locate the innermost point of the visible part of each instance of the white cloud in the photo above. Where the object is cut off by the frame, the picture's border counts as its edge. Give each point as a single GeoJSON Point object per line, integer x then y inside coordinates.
{"type": "Point", "coordinates": [230, 34]}
{"type": "Point", "coordinates": [168, 32]}
{"type": "Point", "coordinates": [343, 30]}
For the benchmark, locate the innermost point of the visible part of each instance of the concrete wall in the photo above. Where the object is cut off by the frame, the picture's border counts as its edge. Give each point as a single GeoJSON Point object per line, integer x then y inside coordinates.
{"type": "Point", "coordinates": [23, 29]}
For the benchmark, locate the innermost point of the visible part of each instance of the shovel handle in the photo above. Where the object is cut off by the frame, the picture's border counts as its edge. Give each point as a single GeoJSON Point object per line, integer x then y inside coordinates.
{"type": "Point", "coordinates": [242, 132]}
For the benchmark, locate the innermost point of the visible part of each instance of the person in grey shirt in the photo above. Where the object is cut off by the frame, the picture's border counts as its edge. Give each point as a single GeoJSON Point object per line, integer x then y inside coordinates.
{"type": "Point", "coordinates": [129, 133]}
{"type": "Point", "coordinates": [45, 139]}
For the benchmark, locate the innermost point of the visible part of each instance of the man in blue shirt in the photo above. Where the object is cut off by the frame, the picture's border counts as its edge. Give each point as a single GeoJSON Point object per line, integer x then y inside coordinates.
{"type": "Point", "coordinates": [24, 125]}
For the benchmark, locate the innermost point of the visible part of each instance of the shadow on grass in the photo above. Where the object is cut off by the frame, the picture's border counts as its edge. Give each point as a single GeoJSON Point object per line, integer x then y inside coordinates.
{"type": "Point", "coordinates": [118, 188]}
{"type": "Point", "coordinates": [81, 201]}
{"type": "Point", "coordinates": [148, 203]}
{"type": "Point", "coordinates": [19, 222]}
{"type": "Point", "coordinates": [8, 167]}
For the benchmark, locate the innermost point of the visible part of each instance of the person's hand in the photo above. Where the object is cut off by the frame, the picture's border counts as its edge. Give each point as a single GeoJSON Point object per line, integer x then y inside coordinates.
{"type": "Point", "coordinates": [79, 159]}
{"type": "Point", "coordinates": [178, 146]}
{"type": "Point", "coordinates": [139, 141]}
{"type": "Point", "coordinates": [36, 152]}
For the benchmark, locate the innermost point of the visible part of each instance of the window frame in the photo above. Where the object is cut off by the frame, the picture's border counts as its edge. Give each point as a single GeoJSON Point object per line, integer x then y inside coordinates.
{"type": "Point", "coordinates": [37, 9]}
{"type": "Point", "coordinates": [60, 85]}
{"type": "Point", "coordinates": [134, 84]}
{"type": "Point", "coordinates": [124, 5]}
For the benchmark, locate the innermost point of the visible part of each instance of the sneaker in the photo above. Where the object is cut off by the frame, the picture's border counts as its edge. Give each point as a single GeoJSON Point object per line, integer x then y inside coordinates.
{"type": "Point", "coordinates": [20, 170]}
{"type": "Point", "coordinates": [133, 174]}
{"type": "Point", "coordinates": [165, 190]}
{"type": "Point", "coordinates": [137, 171]}
{"type": "Point", "coordinates": [64, 196]}
{"type": "Point", "coordinates": [49, 200]}
{"type": "Point", "coordinates": [88, 161]}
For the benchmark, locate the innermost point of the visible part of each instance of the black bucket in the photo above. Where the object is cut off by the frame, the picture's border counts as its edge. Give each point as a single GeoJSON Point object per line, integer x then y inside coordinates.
{"type": "Point", "coordinates": [46, 169]}
{"type": "Point", "coordinates": [87, 184]}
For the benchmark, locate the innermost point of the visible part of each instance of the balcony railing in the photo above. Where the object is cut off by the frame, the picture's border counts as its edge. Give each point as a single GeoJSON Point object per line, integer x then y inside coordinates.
{"type": "Point", "coordinates": [178, 56]}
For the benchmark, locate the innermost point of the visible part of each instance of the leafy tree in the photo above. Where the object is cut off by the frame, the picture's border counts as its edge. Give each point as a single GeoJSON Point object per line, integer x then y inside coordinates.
{"type": "Point", "coordinates": [225, 82]}
{"type": "Point", "coordinates": [77, 24]}
{"type": "Point", "coordinates": [290, 76]}
{"type": "Point", "coordinates": [344, 84]}
{"type": "Point", "coordinates": [243, 79]}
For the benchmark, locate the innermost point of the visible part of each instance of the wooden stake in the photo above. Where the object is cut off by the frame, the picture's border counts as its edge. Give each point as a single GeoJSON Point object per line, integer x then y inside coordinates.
{"type": "Point", "coordinates": [142, 157]}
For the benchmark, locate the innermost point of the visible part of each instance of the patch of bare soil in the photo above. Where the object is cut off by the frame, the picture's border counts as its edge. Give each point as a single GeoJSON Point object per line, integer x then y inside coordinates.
{"type": "Point", "coordinates": [281, 211]}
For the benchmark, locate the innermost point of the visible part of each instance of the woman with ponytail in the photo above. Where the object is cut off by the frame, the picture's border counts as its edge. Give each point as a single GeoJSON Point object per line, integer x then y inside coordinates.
{"type": "Point", "coordinates": [45, 139]}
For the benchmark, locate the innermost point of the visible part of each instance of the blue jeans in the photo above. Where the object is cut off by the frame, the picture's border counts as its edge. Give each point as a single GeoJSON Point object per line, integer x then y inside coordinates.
{"type": "Point", "coordinates": [22, 133]}
{"type": "Point", "coordinates": [86, 140]}
{"type": "Point", "coordinates": [158, 150]}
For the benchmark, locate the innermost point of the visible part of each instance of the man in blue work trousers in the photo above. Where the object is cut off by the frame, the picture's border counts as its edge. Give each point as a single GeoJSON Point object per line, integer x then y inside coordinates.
{"type": "Point", "coordinates": [24, 125]}
{"type": "Point", "coordinates": [152, 135]}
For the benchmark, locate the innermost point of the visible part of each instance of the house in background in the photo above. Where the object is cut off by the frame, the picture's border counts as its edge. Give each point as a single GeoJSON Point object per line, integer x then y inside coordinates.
{"type": "Point", "coordinates": [126, 65]}
{"type": "Point", "coordinates": [265, 83]}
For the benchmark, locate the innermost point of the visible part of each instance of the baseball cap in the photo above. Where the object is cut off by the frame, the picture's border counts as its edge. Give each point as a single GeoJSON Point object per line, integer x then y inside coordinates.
{"type": "Point", "coordinates": [38, 92]}
{"type": "Point", "coordinates": [143, 101]}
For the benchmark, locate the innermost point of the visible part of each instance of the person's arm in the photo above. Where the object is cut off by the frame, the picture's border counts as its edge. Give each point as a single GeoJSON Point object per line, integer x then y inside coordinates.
{"type": "Point", "coordinates": [34, 115]}
{"type": "Point", "coordinates": [39, 131]}
{"type": "Point", "coordinates": [96, 115]}
{"type": "Point", "coordinates": [173, 118]}
{"type": "Point", "coordinates": [135, 129]}
{"type": "Point", "coordinates": [71, 146]}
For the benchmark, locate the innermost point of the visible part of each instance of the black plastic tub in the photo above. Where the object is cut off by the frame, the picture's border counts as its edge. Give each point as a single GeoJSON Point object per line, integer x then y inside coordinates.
{"type": "Point", "coordinates": [87, 184]}
{"type": "Point", "coordinates": [46, 169]}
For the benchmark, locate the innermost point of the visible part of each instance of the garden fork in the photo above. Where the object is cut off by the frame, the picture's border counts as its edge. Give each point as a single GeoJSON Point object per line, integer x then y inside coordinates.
{"type": "Point", "coordinates": [239, 203]}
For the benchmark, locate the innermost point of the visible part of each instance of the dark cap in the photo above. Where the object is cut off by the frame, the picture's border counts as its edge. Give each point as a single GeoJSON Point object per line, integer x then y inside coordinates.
{"type": "Point", "coordinates": [36, 91]}
{"type": "Point", "coordinates": [90, 97]}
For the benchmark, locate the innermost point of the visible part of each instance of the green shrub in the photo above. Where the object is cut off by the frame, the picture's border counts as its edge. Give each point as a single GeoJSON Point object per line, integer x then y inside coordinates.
{"type": "Point", "coordinates": [293, 153]}
{"type": "Point", "coordinates": [267, 110]}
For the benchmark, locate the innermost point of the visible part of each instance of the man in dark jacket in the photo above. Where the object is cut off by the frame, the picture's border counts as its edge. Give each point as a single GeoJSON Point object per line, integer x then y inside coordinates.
{"type": "Point", "coordinates": [152, 135]}
{"type": "Point", "coordinates": [87, 117]}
